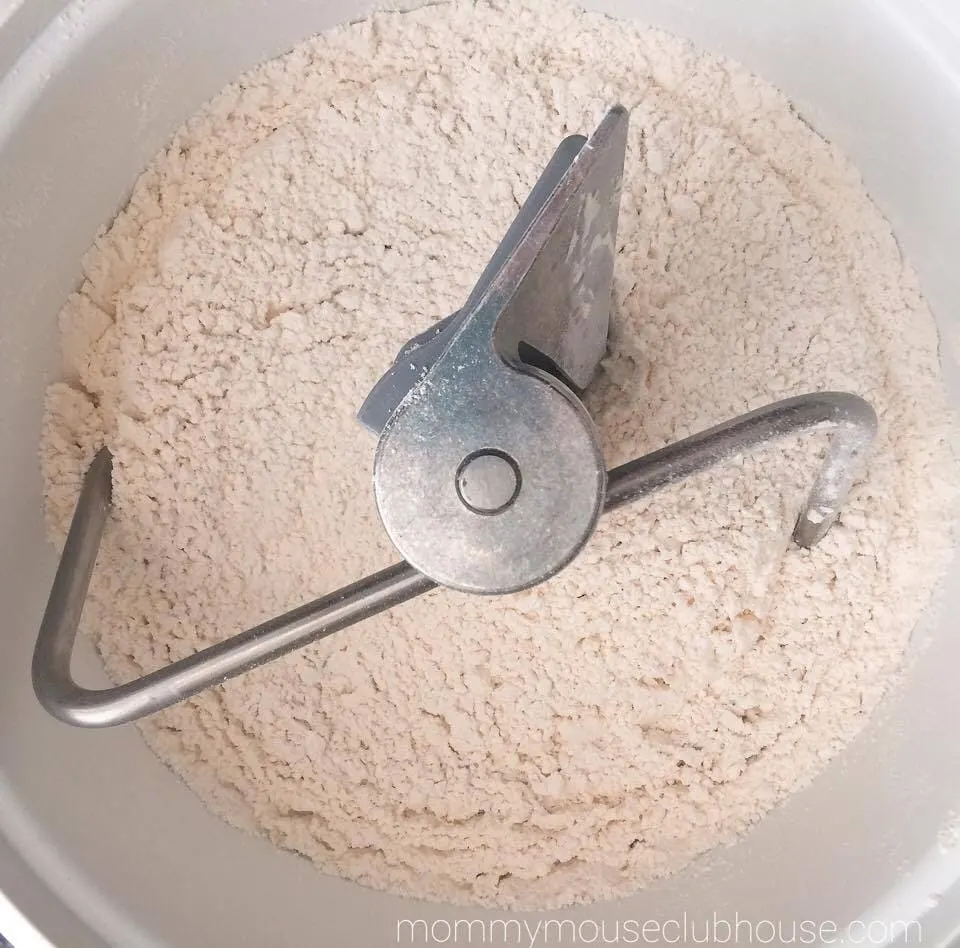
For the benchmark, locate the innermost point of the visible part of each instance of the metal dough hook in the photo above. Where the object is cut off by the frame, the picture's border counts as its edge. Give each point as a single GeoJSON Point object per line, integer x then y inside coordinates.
{"type": "Point", "coordinates": [488, 474]}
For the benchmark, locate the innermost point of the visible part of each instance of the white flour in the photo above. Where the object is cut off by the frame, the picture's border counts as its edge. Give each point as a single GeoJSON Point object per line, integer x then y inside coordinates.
{"type": "Point", "coordinates": [691, 668]}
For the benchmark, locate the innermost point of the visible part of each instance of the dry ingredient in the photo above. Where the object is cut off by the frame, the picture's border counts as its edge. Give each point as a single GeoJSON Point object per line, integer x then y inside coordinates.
{"type": "Point", "coordinates": [691, 668]}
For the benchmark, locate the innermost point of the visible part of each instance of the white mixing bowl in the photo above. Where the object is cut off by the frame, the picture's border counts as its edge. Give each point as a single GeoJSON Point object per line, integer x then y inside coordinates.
{"type": "Point", "coordinates": [99, 843]}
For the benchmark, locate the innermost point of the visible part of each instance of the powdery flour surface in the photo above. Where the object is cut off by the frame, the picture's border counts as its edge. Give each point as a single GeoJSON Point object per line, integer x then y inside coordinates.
{"type": "Point", "coordinates": [691, 668]}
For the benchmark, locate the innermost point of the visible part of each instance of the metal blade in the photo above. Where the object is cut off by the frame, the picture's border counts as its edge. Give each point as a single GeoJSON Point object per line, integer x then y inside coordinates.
{"type": "Point", "coordinates": [419, 354]}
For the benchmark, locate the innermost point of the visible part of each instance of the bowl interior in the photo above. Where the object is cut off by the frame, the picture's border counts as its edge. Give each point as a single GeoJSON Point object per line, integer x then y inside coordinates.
{"type": "Point", "coordinates": [118, 841]}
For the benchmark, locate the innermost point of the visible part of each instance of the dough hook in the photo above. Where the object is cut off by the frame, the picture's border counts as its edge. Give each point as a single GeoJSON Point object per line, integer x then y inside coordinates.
{"type": "Point", "coordinates": [488, 474]}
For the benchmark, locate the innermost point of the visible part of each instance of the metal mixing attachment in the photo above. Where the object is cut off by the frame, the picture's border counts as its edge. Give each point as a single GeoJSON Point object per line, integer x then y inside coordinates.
{"type": "Point", "coordinates": [488, 473]}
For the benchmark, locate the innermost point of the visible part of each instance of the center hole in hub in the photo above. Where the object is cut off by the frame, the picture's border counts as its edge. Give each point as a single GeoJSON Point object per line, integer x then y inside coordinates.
{"type": "Point", "coordinates": [488, 481]}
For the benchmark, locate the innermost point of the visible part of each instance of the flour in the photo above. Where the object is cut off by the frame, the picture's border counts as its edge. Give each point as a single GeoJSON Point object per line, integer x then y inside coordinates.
{"type": "Point", "coordinates": [692, 667]}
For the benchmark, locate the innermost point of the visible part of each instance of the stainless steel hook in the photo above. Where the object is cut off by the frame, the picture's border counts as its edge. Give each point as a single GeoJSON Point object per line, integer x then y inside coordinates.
{"type": "Point", "coordinates": [488, 473]}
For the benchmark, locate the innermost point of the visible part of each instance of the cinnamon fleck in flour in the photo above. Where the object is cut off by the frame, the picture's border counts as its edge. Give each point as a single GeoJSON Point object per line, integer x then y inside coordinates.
{"type": "Point", "coordinates": [692, 667]}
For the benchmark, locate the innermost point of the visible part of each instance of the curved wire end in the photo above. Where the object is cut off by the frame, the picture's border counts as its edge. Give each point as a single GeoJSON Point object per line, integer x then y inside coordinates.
{"type": "Point", "coordinates": [52, 682]}
{"type": "Point", "coordinates": [71, 703]}
{"type": "Point", "coordinates": [854, 425]}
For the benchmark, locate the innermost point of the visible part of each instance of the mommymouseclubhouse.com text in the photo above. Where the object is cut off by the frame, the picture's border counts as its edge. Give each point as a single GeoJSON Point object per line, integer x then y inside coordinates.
{"type": "Point", "coordinates": [685, 930]}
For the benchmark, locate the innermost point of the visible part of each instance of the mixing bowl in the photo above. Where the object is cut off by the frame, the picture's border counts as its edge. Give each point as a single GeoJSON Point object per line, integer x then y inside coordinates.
{"type": "Point", "coordinates": [99, 843]}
